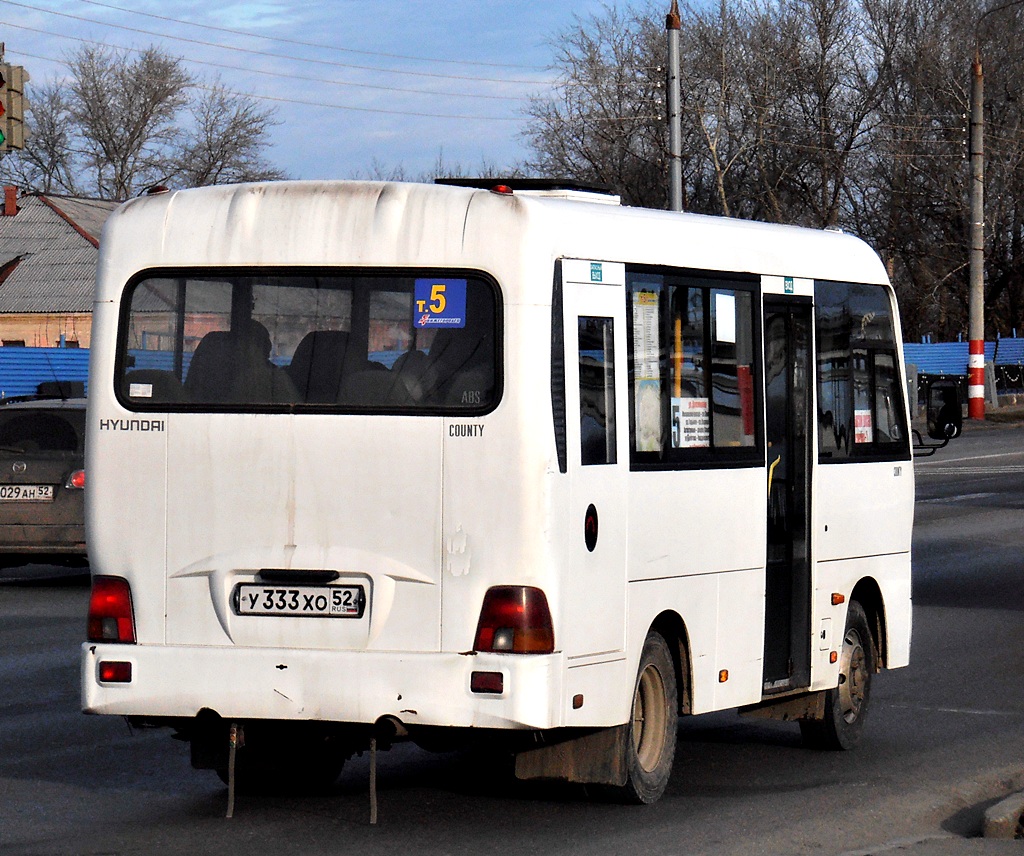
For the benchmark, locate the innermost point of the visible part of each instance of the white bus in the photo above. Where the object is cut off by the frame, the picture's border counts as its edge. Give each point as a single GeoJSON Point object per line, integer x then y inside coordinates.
{"type": "Point", "coordinates": [372, 461]}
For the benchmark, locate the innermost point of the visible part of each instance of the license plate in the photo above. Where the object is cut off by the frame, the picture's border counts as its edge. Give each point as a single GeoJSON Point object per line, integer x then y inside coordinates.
{"type": "Point", "coordinates": [312, 601]}
{"type": "Point", "coordinates": [26, 493]}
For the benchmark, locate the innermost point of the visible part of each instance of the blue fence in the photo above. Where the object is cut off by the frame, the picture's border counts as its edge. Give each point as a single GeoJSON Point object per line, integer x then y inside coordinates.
{"type": "Point", "coordinates": [23, 369]}
{"type": "Point", "coordinates": [945, 358]}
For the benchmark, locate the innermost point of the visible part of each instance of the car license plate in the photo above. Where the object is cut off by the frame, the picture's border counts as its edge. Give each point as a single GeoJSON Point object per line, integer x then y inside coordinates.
{"type": "Point", "coordinates": [313, 601]}
{"type": "Point", "coordinates": [26, 493]}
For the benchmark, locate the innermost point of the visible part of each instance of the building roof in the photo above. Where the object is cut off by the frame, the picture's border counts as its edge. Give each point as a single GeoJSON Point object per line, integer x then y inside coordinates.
{"type": "Point", "coordinates": [48, 253]}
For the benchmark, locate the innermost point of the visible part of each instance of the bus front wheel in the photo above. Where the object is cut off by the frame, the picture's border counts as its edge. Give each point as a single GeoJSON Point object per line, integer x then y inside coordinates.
{"type": "Point", "coordinates": [846, 705]}
{"type": "Point", "coordinates": [650, 744]}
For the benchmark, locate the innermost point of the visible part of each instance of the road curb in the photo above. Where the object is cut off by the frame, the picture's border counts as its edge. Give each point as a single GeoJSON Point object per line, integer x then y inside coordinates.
{"type": "Point", "coordinates": [1004, 818]}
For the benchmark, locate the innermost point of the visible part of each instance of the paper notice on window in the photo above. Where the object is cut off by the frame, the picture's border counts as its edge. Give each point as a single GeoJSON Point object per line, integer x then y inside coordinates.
{"type": "Point", "coordinates": [691, 423]}
{"type": "Point", "coordinates": [863, 429]}
{"type": "Point", "coordinates": [646, 339]}
{"type": "Point", "coordinates": [725, 317]}
{"type": "Point", "coordinates": [647, 371]}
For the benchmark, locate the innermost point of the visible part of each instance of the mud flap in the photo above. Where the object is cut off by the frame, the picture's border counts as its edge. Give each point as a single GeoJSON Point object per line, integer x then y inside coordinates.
{"type": "Point", "coordinates": [594, 758]}
{"type": "Point", "coordinates": [792, 709]}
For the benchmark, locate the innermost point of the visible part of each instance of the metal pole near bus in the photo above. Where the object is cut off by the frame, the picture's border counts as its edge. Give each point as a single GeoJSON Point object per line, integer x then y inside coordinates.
{"type": "Point", "coordinates": [976, 297]}
{"type": "Point", "coordinates": [976, 305]}
{"type": "Point", "coordinates": [673, 23]}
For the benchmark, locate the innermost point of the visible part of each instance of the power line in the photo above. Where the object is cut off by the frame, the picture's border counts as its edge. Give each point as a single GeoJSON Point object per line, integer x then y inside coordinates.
{"type": "Point", "coordinates": [281, 74]}
{"type": "Point", "coordinates": [284, 40]}
{"type": "Point", "coordinates": [292, 100]}
{"type": "Point", "coordinates": [273, 55]}
{"type": "Point", "coordinates": [307, 103]}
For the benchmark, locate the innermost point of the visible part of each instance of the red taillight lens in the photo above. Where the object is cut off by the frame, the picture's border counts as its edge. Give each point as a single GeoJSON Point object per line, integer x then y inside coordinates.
{"type": "Point", "coordinates": [515, 620]}
{"type": "Point", "coordinates": [487, 682]}
{"type": "Point", "coordinates": [111, 618]}
{"type": "Point", "coordinates": [76, 480]}
{"type": "Point", "coordinates": [115, 672]}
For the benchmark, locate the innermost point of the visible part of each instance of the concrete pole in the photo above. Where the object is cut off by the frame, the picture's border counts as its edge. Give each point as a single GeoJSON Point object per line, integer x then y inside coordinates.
{"type": "Point", "coordinates": [673, 23]}
{"type": "Point", "coordinates": [976, 306]}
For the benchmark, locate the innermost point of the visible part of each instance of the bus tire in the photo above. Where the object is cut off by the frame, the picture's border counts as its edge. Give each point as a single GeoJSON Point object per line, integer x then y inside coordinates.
{"type": "Point", "coordinates": [650, 744]}
{"type": "Point", "coordinates": [846, 705]}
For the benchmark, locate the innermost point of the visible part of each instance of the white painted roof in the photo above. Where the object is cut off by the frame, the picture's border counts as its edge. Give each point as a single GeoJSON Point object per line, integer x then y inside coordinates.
{"type": "Point", "coordinates": [375, 223]}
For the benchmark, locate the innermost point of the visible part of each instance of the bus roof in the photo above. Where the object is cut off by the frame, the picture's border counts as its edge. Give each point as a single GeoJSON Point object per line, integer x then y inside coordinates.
{"type": "Point", "coordinates": [327, 223]}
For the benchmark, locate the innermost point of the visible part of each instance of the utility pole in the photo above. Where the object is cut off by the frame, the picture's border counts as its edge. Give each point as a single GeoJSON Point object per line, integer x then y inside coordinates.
{"type": "Point", "coordinates": [673, 23]}
{"type": "Point", "coordinates": [976, 294]}
{"type": "Point", "coordinates": [976, 304]}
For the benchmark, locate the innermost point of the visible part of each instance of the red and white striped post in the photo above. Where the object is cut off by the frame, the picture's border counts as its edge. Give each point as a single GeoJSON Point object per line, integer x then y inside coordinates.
{"type": "Point", "coordinates": [976, 380]}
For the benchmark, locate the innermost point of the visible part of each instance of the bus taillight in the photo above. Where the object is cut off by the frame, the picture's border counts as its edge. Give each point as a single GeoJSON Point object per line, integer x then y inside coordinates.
{"type": "Point", "coordinates": [515, 620]}
{"type": "Point", "coordinates": [111, 618]}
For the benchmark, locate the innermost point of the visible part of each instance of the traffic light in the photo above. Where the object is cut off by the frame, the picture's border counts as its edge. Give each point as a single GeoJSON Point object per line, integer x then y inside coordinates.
{"type": "Point", "coordinates": [13, 128]}
{"type": "Point", "coordinates": [4, 74]}
{"type": "Point", "coordinates": [12, 107]}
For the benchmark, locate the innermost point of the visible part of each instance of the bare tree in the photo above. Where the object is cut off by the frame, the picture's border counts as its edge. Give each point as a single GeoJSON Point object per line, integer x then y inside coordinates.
{"type": "Point", "coordinates": [47, 165]}
{"type": "Point", "coordinates": [123, 121]}
{"type": "Point", "coordinates": [125, 110]}
{"type": "Point", "coordinates": [606, 126]}
{"type": "Point", "coordinates": [226, 141]}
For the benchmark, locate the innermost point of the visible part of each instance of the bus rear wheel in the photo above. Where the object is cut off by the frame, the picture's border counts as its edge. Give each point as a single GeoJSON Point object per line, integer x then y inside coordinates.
{"type": "Point", "coordinates": [650, 744]}
{"type": "Point", "coordinates": [846, 705]}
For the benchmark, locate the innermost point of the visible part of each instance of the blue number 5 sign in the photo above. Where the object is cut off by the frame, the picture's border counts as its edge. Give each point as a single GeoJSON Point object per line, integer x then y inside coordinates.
{"type": "Point", "coordinates": [439, 303]}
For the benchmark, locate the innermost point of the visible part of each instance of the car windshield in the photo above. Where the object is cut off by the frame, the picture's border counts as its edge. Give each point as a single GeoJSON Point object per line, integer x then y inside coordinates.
{"type": "Point", "coordinates": [366, 341]}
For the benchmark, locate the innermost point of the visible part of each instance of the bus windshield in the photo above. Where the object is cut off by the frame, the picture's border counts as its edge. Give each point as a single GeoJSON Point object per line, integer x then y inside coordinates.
{"type": "Point", "coordinates": [362, 341]}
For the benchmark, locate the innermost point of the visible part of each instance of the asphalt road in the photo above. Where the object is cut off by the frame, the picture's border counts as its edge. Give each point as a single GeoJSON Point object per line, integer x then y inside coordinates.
{"type": "Point", "coordinates": [945, 738]}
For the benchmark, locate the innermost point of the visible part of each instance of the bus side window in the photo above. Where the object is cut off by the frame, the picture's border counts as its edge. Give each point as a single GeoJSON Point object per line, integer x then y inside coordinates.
{"type": "Point", "coordinates": [597, 390]}
{"type": "Point", "coordinates": [860, 395]}
{"type": "Point", "coordinates": [693, 377]}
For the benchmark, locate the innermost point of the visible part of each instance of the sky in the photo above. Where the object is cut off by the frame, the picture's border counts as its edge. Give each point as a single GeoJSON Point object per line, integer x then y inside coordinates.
{"type": "Point", "coordinates": [361, 88]}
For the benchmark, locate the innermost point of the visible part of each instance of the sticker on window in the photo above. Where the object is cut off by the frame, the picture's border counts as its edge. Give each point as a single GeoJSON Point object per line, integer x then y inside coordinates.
{"type": "Point", "coordinates": [691, 423]}
{"type": "Point", "coordinates": [439, 303]}
{"type": "Point", "coordinates": [140, 390]}
{"type": "Point", "coordinates": [862, 427]}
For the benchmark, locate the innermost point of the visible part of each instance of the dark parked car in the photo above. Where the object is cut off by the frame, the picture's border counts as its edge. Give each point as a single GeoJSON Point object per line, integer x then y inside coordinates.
{"type": "Point", "coordinates": [42, 481]}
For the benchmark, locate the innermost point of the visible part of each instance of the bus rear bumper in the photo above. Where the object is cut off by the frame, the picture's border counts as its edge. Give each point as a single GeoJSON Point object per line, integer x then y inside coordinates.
{"type": "Point", "coordinates": [434, 689]}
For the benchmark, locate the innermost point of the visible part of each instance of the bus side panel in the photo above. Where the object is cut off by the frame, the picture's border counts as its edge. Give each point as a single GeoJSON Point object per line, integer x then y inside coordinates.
{"type": "Point", "coordinates": [703, 543]}
{"type": "Point", "coordinates": [863, 509]}
{"type": "Point", "coordinates": [696, 522]}
{"type": "Point", "coordinates": [126, 461]}
{"type": "Point", "coordinates": [862, 523]}
{"type": "Point", "coordinates": [896, 585]}
{"type": "Point", "coordinates": [892, 574]}
{"type": "Point", "coordinates": [740, 655]}
{"type": "Point", "coordinates": [695, 599]}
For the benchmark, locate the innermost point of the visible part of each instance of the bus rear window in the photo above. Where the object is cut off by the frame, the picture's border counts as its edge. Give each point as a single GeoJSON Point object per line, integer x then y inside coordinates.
{"type": "Point", "coordinates": [379, 342]}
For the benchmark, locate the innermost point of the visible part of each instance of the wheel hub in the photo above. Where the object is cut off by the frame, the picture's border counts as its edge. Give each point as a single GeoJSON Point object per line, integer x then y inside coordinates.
{"type": "Point", "coordinates": [853, 676]}
{"type": "Point", "coordinates": [649, 718]}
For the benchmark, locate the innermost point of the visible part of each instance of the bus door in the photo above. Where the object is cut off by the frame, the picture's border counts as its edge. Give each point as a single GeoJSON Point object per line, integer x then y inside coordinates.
{"type": "Point", "coordinates": [787, 379]}
{"type": "Point", "coordinates": [597, 428]}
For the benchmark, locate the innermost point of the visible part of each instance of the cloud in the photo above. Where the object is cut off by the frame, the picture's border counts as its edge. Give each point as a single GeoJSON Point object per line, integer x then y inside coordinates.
{"type": "Point", "coordinates": [266, 16]}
